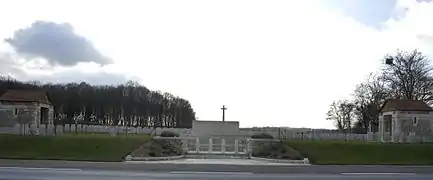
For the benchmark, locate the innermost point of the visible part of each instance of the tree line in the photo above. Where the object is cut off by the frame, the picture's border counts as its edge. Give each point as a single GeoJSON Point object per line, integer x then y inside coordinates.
{"type": "Point", "coordinates": [405, 75]}
{"type": "Point", "coordinates": [129, 104]}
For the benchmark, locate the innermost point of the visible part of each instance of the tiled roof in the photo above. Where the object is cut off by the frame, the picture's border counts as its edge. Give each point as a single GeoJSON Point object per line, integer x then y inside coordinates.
{"type": "Point", "coordinates": [15, 95]}
{"type": "Point", "coordinates": [405, 105]}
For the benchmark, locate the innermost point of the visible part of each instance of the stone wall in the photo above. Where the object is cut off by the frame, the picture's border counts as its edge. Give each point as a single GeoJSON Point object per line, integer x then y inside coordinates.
{"type": "Point", "coordinates": [277, 132]}
{"type": "Point", "coordinates": [207, 128]}
{"type": "Point", "coordinates": [32, 129]}
{"type": "Point", "coordinates": [27, 113]}
{"type": "Point", "coordinates": [50, 129]}
{"type": "Point", "coordinates": [423, 128]}
{"type": "Point", "coordinates": [7, 117]}
{"type": "Point", "coordinates": [401, 128]}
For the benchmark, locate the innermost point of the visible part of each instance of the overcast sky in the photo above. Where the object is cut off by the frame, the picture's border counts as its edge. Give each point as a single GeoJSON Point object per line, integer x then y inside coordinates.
{"type": "Point", "coordinates": [272, 63]}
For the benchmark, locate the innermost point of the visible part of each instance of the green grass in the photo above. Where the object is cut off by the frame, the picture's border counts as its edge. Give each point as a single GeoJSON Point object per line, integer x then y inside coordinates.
{"type": "Point", "coordinates": [82, 147]}
{"type": "Point", "coordinates": [335, 152]}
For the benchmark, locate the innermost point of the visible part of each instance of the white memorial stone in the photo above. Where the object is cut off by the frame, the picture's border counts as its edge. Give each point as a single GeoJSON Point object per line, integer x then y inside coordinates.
{"type": "Point", "coordinates": [236, 146]}
{"type": "Point", "coordinates": [223, 146]}
{"type": "Point", "coordinates": [210, 146]}
{"type": "Point", "coordinates": [197, 145]}
{"type": "Point", "coordinates": [306, 161]}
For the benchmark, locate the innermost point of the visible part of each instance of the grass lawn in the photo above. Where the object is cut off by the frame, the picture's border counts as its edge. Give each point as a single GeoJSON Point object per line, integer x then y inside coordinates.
{"type": "Point", "coordinates": [336, 152]}
{"type": "Point", "coordinates": [84, 147]}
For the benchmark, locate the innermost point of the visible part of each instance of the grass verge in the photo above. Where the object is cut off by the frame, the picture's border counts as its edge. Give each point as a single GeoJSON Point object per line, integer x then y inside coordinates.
{"type": "Point", "coordinates": [362, 153]}
{"type": "Point", "coordinates": [83, 147]}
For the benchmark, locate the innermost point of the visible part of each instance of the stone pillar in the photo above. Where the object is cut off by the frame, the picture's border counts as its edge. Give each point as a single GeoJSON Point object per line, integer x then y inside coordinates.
{"type": "Point", "coordinates": [396, 127]}
{"type": "Point", "coordinates": [249, 148]}
{"type": "Point", "coordinates": [210, 145]}
{"type": "Point", "coordinates": [223, 146]}
{"type": "Point", "coordinates": [381, 128]}
{"type": "Point", "coordinates": [430, 117]}
{"type": "Point", "coordinates": [50, 115]}
{"type": "Point", "coordinates": [393, 122]}
{"type": "Point", "coordinates": [370, 133]}
{"type": "Point", "coordinates": [236, 146]}
{"type": "Point", "coordinates": [398, 133]}
{"type": "Point", "coordinates": [197, 145]}
{"type": "Point", "coordinates": [34, 112]}
{"type": "Point", "coordinates": [185, 146]}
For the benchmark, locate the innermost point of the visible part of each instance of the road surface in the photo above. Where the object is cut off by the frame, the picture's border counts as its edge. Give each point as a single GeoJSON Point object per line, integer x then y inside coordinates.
{"type": "Point", "coordinates": [64, 170]}
{"type": "Point", "coordinates": [19, 173]}
{"type": "Point", "coordinates": [166, 166]}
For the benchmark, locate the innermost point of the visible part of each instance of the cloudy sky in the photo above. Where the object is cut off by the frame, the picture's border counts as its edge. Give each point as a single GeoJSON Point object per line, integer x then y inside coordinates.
{"type": "Point", "coordinates": [272, 63]}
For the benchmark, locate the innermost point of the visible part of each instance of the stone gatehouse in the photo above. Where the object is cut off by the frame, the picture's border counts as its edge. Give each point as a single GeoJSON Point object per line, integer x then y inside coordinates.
{"type": "Point", "coordinates": [25, 107]}
{"type": "Point", "coordinates": [403, 120]}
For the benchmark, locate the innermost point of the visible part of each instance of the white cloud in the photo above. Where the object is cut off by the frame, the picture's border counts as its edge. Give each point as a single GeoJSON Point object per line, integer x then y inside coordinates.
{"type": "Point", "coordinates": [271, 62]}
{"type": "Point", "coordinates": [413, 30]}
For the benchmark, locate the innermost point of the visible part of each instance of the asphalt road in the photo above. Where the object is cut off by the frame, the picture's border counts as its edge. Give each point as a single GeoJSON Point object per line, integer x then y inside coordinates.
{"type": "Point", "coordinates": [45, 170]}
{"type": "Point", "coordinates": [257, 169]}
{"type": "Point", "coordinates": [18, 173]}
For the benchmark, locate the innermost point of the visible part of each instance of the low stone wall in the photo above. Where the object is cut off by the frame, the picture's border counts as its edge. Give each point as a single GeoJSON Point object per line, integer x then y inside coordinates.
{"type": "Point", "coordinates": [305, 161]}
{"type": "Point", "coordinates": [168, 158]}
{"type": "Point", "coordinates": [295, 134]}
{"type": "Point", "coordinates": [42, 129]}
{"type": "Point", "coordinates": [304, 134]}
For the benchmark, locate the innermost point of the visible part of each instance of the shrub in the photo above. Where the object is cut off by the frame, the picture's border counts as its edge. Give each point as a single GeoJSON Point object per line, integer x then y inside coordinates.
{"type": "Point", "coordinates": [159, 148]}
{"type": "Point", "coordinates": [169, 134]}
{"type": "Point", "coordinates": [169, 147]}
{"type": "Point", "coordinates": [276, 150]}
{"type": "Point", "coordinates": [262, 136]}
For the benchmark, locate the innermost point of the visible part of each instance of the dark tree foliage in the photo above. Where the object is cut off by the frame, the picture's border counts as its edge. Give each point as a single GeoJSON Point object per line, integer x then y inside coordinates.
{"type": "Point", "coordinates": [369, 96]}
{"type": "Point", "coordinates": [130, 104]}
{"type": "Point", "coordinates": [169, 134]}
{"type": "Point", "coordinates": [262, 136]}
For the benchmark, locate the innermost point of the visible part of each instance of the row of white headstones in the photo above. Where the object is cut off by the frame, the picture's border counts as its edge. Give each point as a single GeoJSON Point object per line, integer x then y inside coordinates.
{"type": "Point", "coordinates": [247, 147]}
{"type": "Point", "coordinates": [209, 146]}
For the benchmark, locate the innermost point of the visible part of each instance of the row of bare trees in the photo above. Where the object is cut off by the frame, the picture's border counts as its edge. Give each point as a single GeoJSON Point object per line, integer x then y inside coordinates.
{"type": "Point", "coordinates": [405, 75]}
{"type": "Point", "coordinates": [130, 104]}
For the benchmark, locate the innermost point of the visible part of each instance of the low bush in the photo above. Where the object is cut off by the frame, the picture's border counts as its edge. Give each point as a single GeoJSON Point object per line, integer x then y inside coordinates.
{"type": "Point", "coordinates": [262, 136]}
{"type": "Point", "coordinates": [276, 150]}
{"type": "Point", "coordinates": [169, 134]}
{"type": "Point", "coordinates": [159, 148]}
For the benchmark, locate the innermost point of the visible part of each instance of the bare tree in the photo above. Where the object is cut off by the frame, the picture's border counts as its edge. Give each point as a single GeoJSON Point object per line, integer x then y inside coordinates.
{"type": "Point", "coordinates": [342, 112]}
{"type": "Point", "coordinates": [368, 98]}
{"type": "Point", "coordinates": [334, 114]}
{"type": "Point", "coordinates": [409, 74]}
